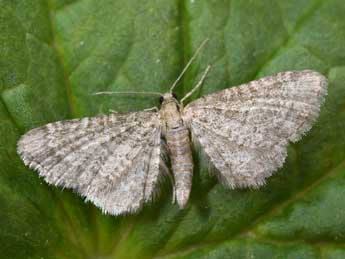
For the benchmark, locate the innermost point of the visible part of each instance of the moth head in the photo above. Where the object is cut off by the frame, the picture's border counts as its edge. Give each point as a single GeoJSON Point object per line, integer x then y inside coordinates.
{"type": "Point", "coordinates": [167, 98]}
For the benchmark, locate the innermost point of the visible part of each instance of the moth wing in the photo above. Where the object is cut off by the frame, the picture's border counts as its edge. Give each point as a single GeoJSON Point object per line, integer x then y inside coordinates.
{"type": "Point", "coordinates": [112, 160]}
{"type": "Point", "coordinates": [244, 130]}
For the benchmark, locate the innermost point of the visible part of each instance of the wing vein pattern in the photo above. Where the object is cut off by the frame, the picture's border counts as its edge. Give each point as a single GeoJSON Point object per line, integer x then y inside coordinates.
{"type": "Point", "coordinates": [112, 160]}
{"type": "Point", "coordinates": [244, 130]}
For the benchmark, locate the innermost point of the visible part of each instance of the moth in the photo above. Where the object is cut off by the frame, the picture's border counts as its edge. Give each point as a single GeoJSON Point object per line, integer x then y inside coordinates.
{"type": "Point", "coordinates": [116, 161]}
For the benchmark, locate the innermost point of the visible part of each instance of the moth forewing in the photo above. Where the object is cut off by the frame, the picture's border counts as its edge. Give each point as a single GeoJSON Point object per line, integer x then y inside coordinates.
{"type": "Point", "coordinates": [113, 161]}
{"type": "Point", "coordinates": [244, 130]}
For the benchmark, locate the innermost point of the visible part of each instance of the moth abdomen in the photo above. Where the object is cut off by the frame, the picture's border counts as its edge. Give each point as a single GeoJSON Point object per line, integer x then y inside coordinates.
{"type": "Point", "coordinates": [178, 142]}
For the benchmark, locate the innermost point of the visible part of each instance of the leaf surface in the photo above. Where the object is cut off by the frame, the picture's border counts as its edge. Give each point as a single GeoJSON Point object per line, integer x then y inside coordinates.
{"type": "Point", "coordinates": [55, 53]}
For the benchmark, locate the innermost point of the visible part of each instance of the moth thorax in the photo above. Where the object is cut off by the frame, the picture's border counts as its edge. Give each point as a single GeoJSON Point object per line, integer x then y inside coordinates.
{"type": "Point", "coordinates": [171, 114]}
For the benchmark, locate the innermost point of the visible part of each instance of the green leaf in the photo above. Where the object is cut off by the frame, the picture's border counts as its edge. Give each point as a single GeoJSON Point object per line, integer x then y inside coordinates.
{"type": "Point", "coordinates": [54, 53]}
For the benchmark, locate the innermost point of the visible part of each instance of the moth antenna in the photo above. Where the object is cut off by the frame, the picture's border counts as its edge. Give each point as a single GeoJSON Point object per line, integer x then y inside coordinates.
{"type": "Point", "coordinates": [127, 93]}
{"type": "Point", "coordinates": [197, 85]}
{"type": "Point", "coordinates": [188, 64]}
